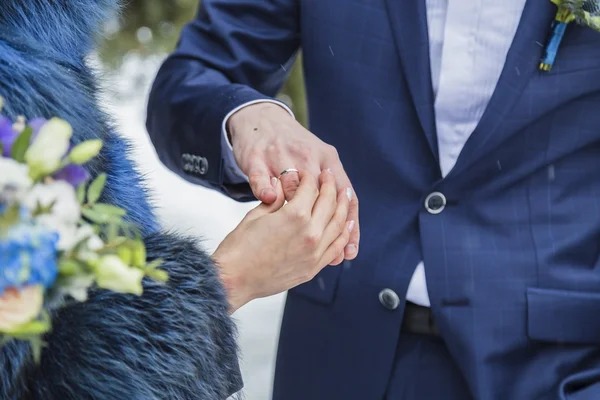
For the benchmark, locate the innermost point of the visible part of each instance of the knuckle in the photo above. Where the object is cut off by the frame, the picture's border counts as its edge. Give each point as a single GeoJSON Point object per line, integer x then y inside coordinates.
{"type": "Point", "coordinates": [331, 152]}
{"type": "Point", "coordinates": [254, 156]}
{"type": "Point", "coordinates": [299, 216]}
{"type": "Point", "coordinates": [312, 238]}
{"type": "Point", "coordinates": [253, 177]}
{"type": "Point", "coordinates": [256, 182]}
{"type": "Point", "coordinates": [304, 153]}
{"type": "Point", "coordinates": [272, 148]}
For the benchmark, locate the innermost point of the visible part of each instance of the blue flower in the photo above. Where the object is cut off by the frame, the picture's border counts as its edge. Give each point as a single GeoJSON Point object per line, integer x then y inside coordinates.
{"type": "Point", "coordinates": [28, 256]}
{"type": "Point", "coordinates": [74, 174]}
{"type": "Point", "coordinates": [7, 135]}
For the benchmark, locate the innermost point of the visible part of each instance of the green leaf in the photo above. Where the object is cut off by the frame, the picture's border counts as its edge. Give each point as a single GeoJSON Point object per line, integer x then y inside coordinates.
{"type": "Point", "coordinates": [154, 264]}
{"type": "Point", "coordinates": [153, 271]}
{"type": "Point", "coordinates": [117, 241]}
{"type": "Point", "coordinates": [112, 230]}
{"type": "Point", "coordinates": [29, 329]}
{"type": "Point", "coordinates": [40, 209]}
{"type": "Point", "coordinates": [37, 345]}
{"type": "Point", "coordinates": [21, 145]}
{"type": "Point", "coordinates": [139, 253]}
{"type": "Point", "coordinates": [95, 216]}
{"type": "Point", "coordinates": [109, 209]}
{"type": "Point", "coordinates": [10, 217]}
{"type": "Point", "coordinates": [69, 267]}
{"type": "Point", "coordinates": [159, 275]}
{"type": "Point", "coordinates": [81, 194]}
{"type": "Point", "coordinates": [77, 286]}
{"type": "Point", "coordinates": [125, 254]}
{"type": "Point", "coordinates": [95, 189]}
{"type": "Point", "coordinates": [85, 151]}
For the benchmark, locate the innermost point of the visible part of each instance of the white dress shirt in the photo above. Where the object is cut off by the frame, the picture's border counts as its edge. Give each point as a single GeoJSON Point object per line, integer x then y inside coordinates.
{"type": "Point", "coordinates": [468, 44]}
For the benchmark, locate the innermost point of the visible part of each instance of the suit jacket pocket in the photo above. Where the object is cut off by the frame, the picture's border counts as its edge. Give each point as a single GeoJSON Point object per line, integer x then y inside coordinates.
{"type": "Point", "coordinates": [563, 316]}
{"type": "Point", "coordinates": [322, 287]}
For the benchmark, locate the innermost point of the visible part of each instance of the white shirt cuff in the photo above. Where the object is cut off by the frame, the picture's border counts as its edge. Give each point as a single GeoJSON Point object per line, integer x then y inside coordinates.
{"type": "Point", "coordinates": [233, 172]}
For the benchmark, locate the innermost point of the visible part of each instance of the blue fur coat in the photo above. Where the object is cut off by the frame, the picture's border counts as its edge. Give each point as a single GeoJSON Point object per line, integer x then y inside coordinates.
{"type": "Point", "coordinates": [176, 341]}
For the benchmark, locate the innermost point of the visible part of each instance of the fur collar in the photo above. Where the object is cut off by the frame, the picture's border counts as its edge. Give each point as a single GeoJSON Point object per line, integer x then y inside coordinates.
{"type": "Point", "coordinates": [66, 26]}
{"type": "Point", "coordinates": [43, 46]}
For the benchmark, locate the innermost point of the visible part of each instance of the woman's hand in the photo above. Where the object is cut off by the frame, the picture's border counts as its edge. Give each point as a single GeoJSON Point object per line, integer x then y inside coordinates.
{"type": "Point", "coordinates": [277, 247]}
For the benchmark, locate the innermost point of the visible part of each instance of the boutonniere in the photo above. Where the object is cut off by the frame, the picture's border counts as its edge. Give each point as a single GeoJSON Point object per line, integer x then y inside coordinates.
{"type": "Point", "coordinates": [582, 12]}
{"type": "Point", "coordinates": [57, 239]}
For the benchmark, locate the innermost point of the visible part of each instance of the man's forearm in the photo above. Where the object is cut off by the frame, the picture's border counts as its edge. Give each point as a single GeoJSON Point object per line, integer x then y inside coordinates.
{"type": "Point", "coordinates": [185, 125]}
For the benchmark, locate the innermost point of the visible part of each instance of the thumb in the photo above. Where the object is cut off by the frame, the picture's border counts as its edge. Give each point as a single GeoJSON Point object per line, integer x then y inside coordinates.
{"type": "Point", "coordinates": [261, 185]}
{"type": "Point", "coordinates": [263, 208]}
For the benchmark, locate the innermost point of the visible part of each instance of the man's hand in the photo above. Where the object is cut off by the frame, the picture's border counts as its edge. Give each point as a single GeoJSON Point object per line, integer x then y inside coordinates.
{"type": "Point", "coordinates": [266, 140]}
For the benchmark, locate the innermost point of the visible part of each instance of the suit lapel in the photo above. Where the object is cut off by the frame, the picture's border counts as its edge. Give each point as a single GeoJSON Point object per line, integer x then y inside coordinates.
{"type": "Point", "coordinates": [521, 62]}
{"type": "Point", "coordinates": [409, 25]}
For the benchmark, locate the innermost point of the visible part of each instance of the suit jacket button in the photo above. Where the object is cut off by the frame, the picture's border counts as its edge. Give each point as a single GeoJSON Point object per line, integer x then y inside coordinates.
{"type": "Point", "coordinates": [202, 166]}
{"type": "Point", "coordinates": [186, 161]}
{"type": "Point", "coordinates": [389, 299]}
{"type": "Point", "coordinates": [435, 203]}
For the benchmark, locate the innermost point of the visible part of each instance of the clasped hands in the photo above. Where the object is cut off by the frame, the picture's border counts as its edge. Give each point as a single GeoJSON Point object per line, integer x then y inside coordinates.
{"type": "Point", "coordinates": [306, 220]}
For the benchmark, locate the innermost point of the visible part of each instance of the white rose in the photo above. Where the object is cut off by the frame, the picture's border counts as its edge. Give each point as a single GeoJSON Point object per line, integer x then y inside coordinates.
{"type": "Point", "coordinates": [65, 212]}
{"type": "Point", "coordinates": [18, 307]}
{"type": "Point", "coordinates": [114, 274]}
{"type": "Point", "coordinates": [66, 207]}
{"type": "Point", "coordinates": [66, 232]}
{"type": "Point", "coordinates": [92, 243]}
{"type": "Point", "coordinates": [14, 178]}
{"type": "Point", "coordinates": [50, 145]}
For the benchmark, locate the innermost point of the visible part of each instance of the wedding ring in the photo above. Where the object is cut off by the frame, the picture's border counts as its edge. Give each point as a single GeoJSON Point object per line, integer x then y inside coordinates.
{"type": "Point", "coordinates": [287, 171]}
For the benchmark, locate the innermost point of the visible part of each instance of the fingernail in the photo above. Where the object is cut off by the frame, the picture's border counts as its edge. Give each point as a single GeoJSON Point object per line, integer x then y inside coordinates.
{"type": "Point", "coordinates": [274, 182]}
{"type": "Point", "coordinates": [349, 194]}
{"type": "Point", "coordinates": [329, 171]}
{"type": "Point", "coordinates": [351, 249]}
{"type": "Point", "coordinates": [351, 226]}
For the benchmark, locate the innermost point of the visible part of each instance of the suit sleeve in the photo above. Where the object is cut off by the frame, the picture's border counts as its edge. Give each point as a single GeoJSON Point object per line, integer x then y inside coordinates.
{"type": "Point", "coordinates": [232, 53]}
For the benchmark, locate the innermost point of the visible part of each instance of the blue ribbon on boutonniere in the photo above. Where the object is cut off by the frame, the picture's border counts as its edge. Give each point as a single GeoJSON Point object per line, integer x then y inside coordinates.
{"type": "Point", "coordinates": [583, 12]}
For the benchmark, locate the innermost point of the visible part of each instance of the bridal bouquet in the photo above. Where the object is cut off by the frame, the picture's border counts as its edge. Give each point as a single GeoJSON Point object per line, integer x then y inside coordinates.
{"type": "Point", "coordinates": [56, 239]}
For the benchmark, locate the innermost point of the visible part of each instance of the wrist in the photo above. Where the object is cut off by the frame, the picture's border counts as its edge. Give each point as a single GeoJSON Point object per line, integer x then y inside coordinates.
{"type": "Point", "coordinates": [249, 117]}
{"type": "Point", "coordinates": [233, 284]}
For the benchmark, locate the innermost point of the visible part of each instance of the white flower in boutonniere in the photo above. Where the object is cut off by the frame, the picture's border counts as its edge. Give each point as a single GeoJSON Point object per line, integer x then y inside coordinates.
{"type": "Point", "coordinates": [58, 208]}
{"type": "Point", "coordinates": [58, 238]}
{"type": "Point", "coordinates": [18, 307]}
{"type": "Point", "coordinates": [46, 152]}
{"type": "Point", "coordinates": [14, 180]}
{"type": "Point", "coordinates": [583, 12]}
{"type": "Point", "coordinates": [114, 274]}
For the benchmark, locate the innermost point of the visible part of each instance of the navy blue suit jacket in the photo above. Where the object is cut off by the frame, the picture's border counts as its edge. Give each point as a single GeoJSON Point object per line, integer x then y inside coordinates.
{"type": "Point", "coordinates": [512, 262]}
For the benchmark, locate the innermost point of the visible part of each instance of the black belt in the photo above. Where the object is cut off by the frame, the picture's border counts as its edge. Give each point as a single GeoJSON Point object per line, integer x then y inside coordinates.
{"type": "Point", "coordinates": [419, 320]}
